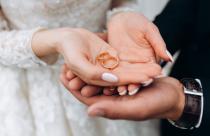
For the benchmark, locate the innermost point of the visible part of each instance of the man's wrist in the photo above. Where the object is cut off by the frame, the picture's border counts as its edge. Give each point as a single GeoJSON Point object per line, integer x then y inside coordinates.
{"type": "Point", "coordinates": [192, 113]}
{"type": "Point", "coordinates": [177, 111]}
{"type": "Point", "coordinates": [180, 104]}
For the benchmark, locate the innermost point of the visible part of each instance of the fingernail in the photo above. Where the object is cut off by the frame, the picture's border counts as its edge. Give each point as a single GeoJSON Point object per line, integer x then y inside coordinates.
{"type": "Point", "coordinates": [123, 93]}
{"type": "Point", "coordinates": [96, 112]}
{"type": "Point", "coordinates": [160, 76]}
{"type": "Point", "coordinates": [170, 56]}
{"type": "Point", "coordinates": [147, 83]}
{"type": "Point", "coordinates": [108, 77]}
{"type": "Point", "coordinates": [134, 91]}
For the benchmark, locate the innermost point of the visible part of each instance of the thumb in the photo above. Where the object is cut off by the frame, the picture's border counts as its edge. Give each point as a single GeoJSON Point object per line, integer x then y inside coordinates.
{"type": "Point", "coordinates": [154, 37]}
{"type": "Point", "coordinates": [113, 110]}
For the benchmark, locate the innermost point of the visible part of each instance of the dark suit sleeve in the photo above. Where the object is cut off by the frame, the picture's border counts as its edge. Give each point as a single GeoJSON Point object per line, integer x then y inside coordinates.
{"type": "Point", "coordinates": [205, 125]}
{"type": "Point", "coordinates": [176, 23]}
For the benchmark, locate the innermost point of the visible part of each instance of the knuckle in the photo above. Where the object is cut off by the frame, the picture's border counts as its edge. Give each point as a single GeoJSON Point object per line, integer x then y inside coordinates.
{"type": "Point", "coordinates": [156, 69]}
{"type": "Point", "coordinates": [73, 86]}
{"type": "Point", "coordinates": [145, 78]}
{"type": "Point", "coordinates": [86, 93]}
{"type": "Point", "coordinates": [155, 28]}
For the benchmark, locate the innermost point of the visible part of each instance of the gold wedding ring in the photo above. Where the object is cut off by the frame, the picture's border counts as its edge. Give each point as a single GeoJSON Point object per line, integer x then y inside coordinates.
{"type": "Point", "coordinates": [107, 61]}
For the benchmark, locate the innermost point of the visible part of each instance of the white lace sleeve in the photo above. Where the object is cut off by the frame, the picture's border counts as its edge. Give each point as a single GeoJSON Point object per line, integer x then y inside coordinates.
{"type": "Point", "coordinates": [125, 5]}
{"type": "Point", "coordinates": [15, 47]}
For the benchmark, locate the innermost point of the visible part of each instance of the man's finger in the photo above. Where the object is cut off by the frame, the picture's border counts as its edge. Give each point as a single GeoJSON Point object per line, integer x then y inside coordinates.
{"type": "Point", "coordinates": [76, 83]}
{"type": "Point", "coordinates": [90, 90]}
{"type": "Point", "coordinates": [90, 100]}
{"type": "Point", "coordinates": [116, 109]}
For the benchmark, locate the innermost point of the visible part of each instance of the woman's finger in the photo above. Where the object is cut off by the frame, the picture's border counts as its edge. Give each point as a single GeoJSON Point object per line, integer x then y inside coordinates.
{"type": "Point", "coordinates": [147, 83]}
{"type": "Point", "coordinates": [133, 88]}
{"type": "Point", "coordinates": [67, 72]}
{"type": "Point", "coordinates": [109, 91]}
{"type": "Point", "coordinates": [154, 37]}
{"type": "Point", "coordinates": [129, 50]}
{"type": "Point", "coordinates": [64, 81]}
{"type": "Point", "coordinates": [93, 73]}
{"type": "Point", "coordinates": [90, 90]}
{"type": "Point", "coordinates": [70, 75]}
{"type": "Point", "coordinates": [136, 73]}
{"type": "Point", "coordinates": [122, 90]}
{"type": "Point", "coordinates": [76, 84]}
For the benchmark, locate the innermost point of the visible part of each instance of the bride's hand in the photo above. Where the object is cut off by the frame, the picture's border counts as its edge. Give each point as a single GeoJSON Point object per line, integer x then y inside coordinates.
{"type": "Point", "coordinates": [79, 48]}
{"type": "Point", "coordinates": [138, 40]}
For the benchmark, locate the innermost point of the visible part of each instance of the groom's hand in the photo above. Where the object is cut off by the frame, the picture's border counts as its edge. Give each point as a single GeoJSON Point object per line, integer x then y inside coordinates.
{"type": "Point", "coordinates": [162, 99]}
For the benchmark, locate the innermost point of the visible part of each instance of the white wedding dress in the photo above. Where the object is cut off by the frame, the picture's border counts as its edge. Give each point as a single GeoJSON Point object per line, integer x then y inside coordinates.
{"type": "Point", "coordinates": [32, 101]}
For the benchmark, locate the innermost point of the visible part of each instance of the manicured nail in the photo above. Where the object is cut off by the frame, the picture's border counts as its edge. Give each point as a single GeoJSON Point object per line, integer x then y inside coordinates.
{"type": "Point", "coordinates": [123, 93]}
{"type": "Point", "coordinates": [96, 112]}
{"type": "Point", "coordinates": [134, 91]}
{"type": "Point", "coordinates": [160, 76]}
{"type": "Point", "coordinates": [147, 83]}
{"type": "Point", "coordinates": [108, 77]}
{"type": "Point", "coordinates": [170, 56]}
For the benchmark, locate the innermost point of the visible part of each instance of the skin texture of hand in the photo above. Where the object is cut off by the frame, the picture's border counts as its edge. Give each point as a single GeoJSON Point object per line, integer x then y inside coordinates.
{"type": "Point", "coordinates": [79, 48]}
{"type": "Point", "coordinates": [88, 90]}
{"type": "Point", "coordinates": [138, 40]}
{"type": "Point", "coordinates": [164, 99]}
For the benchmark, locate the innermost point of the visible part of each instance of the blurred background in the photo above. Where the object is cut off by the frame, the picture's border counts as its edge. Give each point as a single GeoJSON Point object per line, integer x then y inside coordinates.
{"type": "Point", "coordinates": [151, 8]}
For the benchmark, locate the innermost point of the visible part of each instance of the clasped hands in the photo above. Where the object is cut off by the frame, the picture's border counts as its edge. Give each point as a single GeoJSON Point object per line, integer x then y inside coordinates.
{"type": "Point", "coordinates": [139, 46]}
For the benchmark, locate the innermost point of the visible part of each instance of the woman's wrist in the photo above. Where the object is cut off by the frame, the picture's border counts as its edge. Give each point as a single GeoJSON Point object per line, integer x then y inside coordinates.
{"type": "Point", "coordinates": [117, 11]}
{"type": "Point", "coordinates": [45, 45]}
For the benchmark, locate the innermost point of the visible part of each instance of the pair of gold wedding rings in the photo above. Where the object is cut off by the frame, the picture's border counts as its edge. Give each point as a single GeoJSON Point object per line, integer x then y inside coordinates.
{"type": "Point", "coordinates": [106, 60]}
